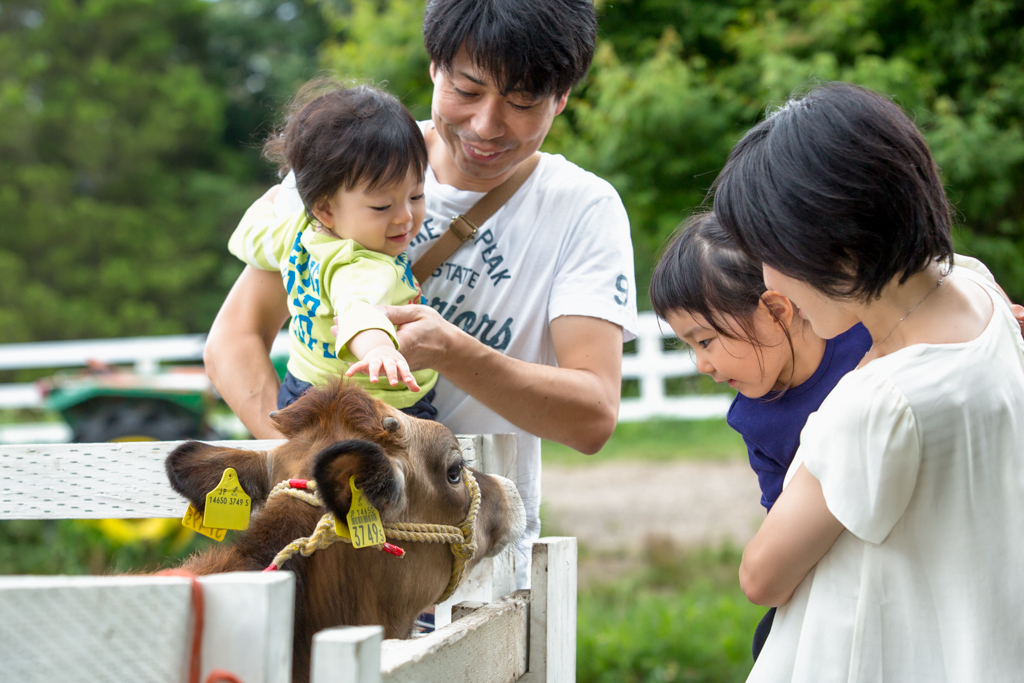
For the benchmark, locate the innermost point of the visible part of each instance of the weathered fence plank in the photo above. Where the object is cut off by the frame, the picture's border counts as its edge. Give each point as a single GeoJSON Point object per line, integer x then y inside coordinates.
{"type": "Point", "coordinates": [526, 636]}
{"type": "Point", "coordinates": [347, 653]}
{"type": "Point", "coordinates": [553, 611]}
{"type": "Point", "coordinates": [114, 480]}
{"type": "Point", "coordinates": [91, 629]}
{"type": "Point", "coordinates": [487, 646]}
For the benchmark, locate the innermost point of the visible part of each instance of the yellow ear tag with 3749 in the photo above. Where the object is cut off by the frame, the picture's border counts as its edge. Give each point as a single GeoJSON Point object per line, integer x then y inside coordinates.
{"type": "Point", "coordinates": [364, 524]}
{"type": "Point", "coordinates": [228, 505]}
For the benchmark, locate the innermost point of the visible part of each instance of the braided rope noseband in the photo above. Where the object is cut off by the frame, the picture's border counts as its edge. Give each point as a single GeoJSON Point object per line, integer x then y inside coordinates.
{"type": "Point", "coordinates": [461, 538]}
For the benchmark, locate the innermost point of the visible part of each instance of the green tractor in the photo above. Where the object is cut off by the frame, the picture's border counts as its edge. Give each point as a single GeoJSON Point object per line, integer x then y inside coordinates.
{"type": "Point", "coordinates": [110, 403]}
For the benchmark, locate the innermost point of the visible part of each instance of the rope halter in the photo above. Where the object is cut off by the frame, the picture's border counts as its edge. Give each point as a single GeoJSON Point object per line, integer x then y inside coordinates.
{"type": "Point", "coordinates": [461, 538]}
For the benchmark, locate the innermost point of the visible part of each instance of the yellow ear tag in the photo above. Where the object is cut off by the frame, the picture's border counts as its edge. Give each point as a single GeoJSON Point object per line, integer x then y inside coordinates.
{"type": "Point", "coordinates": [194, 520]}
{"type": "Point", "coordinates": [227, 506]}
{"type": "Point", "coordinates": [341, 528]}
{"type": "Point", "coordinates": [363, 520]}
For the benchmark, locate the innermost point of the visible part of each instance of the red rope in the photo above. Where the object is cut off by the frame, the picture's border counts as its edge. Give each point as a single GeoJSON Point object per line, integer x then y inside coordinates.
{"type": "Point", "coordinates": [196, 655]}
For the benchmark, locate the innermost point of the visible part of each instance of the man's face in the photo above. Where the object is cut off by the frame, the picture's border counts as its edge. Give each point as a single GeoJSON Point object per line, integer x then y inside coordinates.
{"type": "Point", "coordinates": [487, 133]}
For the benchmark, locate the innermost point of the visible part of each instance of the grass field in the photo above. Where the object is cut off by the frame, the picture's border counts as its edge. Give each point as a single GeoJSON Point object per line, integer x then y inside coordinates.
{"type": "Point", "coordinates": [681, 618]}
{"type": "Point", "coordinates": [658, 440]}
{"type": "Point", "coordinates": [670, 615]}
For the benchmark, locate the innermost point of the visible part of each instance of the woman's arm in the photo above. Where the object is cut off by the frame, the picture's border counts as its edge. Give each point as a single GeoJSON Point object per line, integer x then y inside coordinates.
{"type": "Point", "coordinates": [797, 533]}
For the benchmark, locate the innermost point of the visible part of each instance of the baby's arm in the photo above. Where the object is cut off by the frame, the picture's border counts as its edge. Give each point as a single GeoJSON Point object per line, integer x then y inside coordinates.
{"type": "Point", "coordinates": [377, 353]}
{"type": "Point", "coordinates": [795, 535]}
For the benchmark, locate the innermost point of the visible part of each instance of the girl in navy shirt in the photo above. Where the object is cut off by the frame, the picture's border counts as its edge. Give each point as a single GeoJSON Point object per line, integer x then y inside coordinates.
{"type": "Point", "coordinates": [713, 296]}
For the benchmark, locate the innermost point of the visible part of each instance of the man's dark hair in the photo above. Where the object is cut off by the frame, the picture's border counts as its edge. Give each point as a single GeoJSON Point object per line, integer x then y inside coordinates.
{"type": "Point", "coordinates": [339, 137]}
{"type": "Point", "coordinates": [540, 47]}
{"type": "Point", "coordinates": [837, 189]}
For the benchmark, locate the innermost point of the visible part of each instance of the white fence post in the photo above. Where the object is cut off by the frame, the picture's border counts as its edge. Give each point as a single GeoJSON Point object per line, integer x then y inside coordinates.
{"type": "Point", "coordinates": [553, 612]}
{"type": "Point", "coordinates": [652, 365]}
{"type": "Point", "coordinates": [492, 577]}
{"type": "Point", "coordinates": [347, 653]}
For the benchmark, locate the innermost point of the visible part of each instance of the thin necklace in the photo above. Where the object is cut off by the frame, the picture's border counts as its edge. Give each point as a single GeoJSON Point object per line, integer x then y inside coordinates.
{"type": "Point", "coordinates": [882, 340]}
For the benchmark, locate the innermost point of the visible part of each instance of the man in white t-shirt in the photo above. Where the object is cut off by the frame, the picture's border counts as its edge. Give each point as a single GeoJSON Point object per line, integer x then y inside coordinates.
{"type": "Point", "coordinates": [525, 322]}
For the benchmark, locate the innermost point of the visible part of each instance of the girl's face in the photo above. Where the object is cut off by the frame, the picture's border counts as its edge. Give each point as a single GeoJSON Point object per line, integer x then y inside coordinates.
{"type": "Point", "coordinates": [828, 317]}
{"type": "Point", "coordinates": [752, 371]}
{"type": "Point", "coordinates": [384, 219]}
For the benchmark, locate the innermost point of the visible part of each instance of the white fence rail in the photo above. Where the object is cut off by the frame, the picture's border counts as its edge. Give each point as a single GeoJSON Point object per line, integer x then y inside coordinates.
{"type": "Point", "coordinates": [139, 628]}
{"type": "Point", "coordinates": [651, 365]}
{"type": "Point", "coordinates": [525, 635]}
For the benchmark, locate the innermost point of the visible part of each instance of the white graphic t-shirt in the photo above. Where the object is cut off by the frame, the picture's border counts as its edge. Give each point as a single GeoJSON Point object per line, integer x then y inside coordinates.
{"type": "Point", "coordinates": [560, 246]}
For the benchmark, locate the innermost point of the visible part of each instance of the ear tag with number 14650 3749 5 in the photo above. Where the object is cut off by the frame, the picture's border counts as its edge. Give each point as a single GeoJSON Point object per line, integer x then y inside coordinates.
{"type": "Point", "coordinates": [228, 505]}
{"type": "Point", "coordinates": [363, 526]}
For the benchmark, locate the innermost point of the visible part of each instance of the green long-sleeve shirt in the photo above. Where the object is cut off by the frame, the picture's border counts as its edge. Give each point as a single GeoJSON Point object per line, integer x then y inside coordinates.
{"type": "Point", "coordinates": [327, 277]}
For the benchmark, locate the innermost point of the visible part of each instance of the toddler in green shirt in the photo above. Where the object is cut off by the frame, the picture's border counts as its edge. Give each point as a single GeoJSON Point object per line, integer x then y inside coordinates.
{"type": "Point", "coordinates": [359, 161]}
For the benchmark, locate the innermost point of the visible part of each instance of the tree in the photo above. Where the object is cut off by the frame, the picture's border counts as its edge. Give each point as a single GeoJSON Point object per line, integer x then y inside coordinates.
{"type": "Point", "coordinates": [675, 83]}
{"type": "Point", "coordinates": [130, 151]}
{"type": "Point", "coordinates": [117, 197]}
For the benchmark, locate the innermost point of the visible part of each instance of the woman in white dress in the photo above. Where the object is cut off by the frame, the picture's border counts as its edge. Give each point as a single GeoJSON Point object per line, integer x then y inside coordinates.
{"type": "Point", "coordinates": [896, 550]}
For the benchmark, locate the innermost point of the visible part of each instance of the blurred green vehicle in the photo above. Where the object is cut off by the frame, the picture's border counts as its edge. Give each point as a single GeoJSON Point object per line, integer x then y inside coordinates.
{"type": "Point", "coordinates": [111, 403]}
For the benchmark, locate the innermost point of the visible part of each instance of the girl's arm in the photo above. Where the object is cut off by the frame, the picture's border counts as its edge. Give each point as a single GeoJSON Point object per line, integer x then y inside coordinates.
{"type": "Point", "coordinates": [377, 353]}
{"type": "Point", "coordinates": [797, 533]}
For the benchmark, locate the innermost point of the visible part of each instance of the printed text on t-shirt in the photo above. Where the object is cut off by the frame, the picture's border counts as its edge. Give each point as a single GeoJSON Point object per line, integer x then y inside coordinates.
{"type": "Point", "coordinates": [478, 325]}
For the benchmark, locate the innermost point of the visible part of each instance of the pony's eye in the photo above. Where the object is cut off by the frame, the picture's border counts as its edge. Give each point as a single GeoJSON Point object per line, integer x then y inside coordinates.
{"type": "Point", "coordinates": [455, 473]}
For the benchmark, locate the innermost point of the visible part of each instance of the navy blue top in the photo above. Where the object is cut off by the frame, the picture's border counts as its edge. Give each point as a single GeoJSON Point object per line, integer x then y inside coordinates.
{"type": "Point", "coordinates": [771, 428]}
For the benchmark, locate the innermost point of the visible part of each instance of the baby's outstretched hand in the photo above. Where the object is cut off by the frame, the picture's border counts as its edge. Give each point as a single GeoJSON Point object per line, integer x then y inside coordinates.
{"type": "Point", "coordinates": [386, 360]}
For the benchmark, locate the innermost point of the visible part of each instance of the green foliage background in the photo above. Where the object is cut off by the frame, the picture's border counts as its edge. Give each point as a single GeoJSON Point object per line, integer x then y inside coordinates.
{"type": "Point", "coordinates": [131, 127]}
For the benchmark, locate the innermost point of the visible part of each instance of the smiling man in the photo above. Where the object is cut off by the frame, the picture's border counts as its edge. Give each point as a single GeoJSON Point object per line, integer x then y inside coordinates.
{"type": "Point", "coordinates": [524, 322]}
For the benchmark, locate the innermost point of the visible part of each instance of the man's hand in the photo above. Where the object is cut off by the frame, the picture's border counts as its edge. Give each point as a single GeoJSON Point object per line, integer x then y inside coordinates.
{"type": "Point", "coordinates": [386, 360]}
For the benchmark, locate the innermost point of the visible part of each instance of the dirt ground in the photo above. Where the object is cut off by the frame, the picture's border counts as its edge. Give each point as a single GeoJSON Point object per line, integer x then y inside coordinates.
{"type": "Point", "coordinates": [616, 507]}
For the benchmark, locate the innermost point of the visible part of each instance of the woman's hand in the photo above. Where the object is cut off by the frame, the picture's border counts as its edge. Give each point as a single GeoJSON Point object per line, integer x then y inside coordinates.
{"type": "Point", "coordinates": [1018, 313]}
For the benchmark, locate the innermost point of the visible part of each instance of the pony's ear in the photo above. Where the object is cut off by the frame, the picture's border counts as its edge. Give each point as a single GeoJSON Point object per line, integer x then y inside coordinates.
{"type": "Point", "coordinates": [195, 468]}
{"type": "Point", "coordinates": [380, 480]}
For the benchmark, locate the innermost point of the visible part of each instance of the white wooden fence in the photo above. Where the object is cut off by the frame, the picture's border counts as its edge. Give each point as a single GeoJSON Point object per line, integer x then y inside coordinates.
{"type": "Point", "coordinates": [651, 365]}
{"type": "Point", "coordinates": [139, 627]}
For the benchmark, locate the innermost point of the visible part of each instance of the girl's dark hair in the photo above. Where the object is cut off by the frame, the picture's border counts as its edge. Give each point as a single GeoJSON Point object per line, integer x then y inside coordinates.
{"type": "Point", "coordinates": [704, 273]}
{"type": "Point", "coordinates": [335, 137]}
{"type": "Point", "coordinates": [836, 189]}
{"type": "Point", "coordinates": [541, 47]}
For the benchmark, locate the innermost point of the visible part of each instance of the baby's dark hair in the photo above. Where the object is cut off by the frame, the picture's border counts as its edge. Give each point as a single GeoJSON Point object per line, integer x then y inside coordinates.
{"type": "Point", "coordinates": [704, 273]}
{"type": "Point", "coordinates": [335, 136]}
{"type": "Point", "coordinates": [837, 189]}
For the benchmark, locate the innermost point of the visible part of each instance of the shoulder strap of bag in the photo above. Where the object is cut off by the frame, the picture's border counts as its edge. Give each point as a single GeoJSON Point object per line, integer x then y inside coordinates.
{"type": "Point", "coordinates": [464, 226]}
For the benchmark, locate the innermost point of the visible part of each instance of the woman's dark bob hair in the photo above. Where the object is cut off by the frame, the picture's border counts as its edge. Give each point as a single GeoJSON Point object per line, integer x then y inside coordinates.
{"type": "Point", "coordinates": [336, 137]}
{"type": "Point", "coordinates": [836, 189]}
